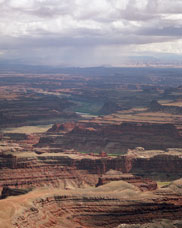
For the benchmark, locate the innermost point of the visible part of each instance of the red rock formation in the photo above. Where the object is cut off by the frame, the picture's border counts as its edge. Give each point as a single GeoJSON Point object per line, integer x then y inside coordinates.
{"type": "Point", "coordinates": [65, 127]}
{"type": "Point", "coordinates": [117, 139]}
{"type": "Point", "coordinates": [171, 164]}
{"type": "Point", "coordinates": [42, 170]}
{"type": "Point", "coordinates": [32, 172]}
{"type": "Point", "coordinates": [142, 184]}
{"type": "Point", "coordinates": [106, 206]}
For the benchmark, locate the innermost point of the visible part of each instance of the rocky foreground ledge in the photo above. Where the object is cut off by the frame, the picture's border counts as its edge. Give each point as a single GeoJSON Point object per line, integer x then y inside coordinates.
{"type": "Point", "coordinates": [115, 204]}
{"type": "Point", "coordinates": [74, 190]}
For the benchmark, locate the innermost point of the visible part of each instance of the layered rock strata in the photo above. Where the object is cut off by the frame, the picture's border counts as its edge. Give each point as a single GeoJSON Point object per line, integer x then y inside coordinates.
{"type": "Point", "coordinates": [106, 206]}
{"type": "Point", "coordinates": [54, 169]}
{"type": "Point", "coordinates": [142, 184]}
{"type": "Point", "coordinates": [114, 139]}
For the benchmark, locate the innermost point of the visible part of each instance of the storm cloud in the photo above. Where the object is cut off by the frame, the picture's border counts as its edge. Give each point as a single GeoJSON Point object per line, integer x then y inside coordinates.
{"type": "Point", "coordinates": [83, 32]}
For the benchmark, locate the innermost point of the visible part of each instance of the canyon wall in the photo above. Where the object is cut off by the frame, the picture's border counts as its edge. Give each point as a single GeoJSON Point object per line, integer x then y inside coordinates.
{"type": "Point", "coordinates": [114, 139]}
{"type": "Point", "coordinates": [54, 170]}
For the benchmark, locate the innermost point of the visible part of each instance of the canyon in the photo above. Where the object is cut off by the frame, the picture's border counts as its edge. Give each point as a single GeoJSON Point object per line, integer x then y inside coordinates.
{"type": "Point", "coordinates": [109, 205]}
{"type": "Point", "coordinates": [79, 151]}
{"type": "Point", "coordinates": [70, 189]}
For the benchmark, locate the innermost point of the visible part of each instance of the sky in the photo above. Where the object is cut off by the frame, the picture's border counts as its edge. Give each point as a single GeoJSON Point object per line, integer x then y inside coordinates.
{"type": "Point", "coordinates": [91, 32]}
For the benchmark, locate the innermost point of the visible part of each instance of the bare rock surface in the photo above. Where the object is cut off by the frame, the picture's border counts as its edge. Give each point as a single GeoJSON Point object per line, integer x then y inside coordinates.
{"type": "Point", "coordinates": [117, 203]}
{"type": "Point", "coordinates": [113, 138]}
{"type": "Point", "coordinates": [142, 184]}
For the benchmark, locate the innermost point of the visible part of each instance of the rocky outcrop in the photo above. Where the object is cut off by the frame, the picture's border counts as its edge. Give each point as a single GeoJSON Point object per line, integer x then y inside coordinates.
{"type": "Point", "coordinates": [13, 192]}
{"type": "Point", "coordinates": [116, 139]}
{"type": "Point", "coordinates": [69, 126]}
{"type": "Point", "coordinates": [65, 127]}
{"type": "Point", "coordinates": [142, 184]}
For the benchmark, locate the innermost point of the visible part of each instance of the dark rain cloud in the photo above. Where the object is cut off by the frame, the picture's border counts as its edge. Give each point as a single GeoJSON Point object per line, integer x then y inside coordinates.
{"type": "Point", "coordinates": [94, 27]}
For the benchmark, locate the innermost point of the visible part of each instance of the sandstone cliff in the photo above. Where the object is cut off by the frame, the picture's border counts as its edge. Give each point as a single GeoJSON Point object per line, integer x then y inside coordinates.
{"type": "Point", "coordinates": [116, 139]}
{"type": "Point", "coordinates": [60, 169]}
